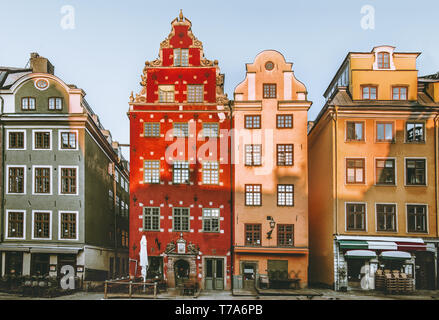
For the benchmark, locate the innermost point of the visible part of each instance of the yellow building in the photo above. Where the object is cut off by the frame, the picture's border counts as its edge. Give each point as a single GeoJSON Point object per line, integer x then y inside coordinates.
{"type": "Point", "coordinates": [372, 173]}
{"type": "Point", "coordinates": [270, 175]}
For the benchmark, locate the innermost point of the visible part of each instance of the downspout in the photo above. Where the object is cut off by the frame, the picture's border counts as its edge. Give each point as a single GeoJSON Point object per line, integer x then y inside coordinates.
{"type": "Point", "coordinates": [232, 194]}
{"type": "Point", "coordinates": [436, 191]}
{"type": "Point", "coordinates": [115, 216]}
{"type": "Point", "coordinates": [335, 195]}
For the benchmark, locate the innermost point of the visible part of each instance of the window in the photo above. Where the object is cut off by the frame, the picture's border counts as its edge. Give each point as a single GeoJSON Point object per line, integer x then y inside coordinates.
{"type": "Point", "coordinates": [383, 60]}
{"type": "Point", "coordinates": [369, 92]}
{"type": "Point", "coordinates": [354, 131]}
{"type": "Point", "coordinates": [285, 195]}
{"type": "Point", "coordinates": [210, 129]}
{"type": "Point", "coordinates": [252, 122]}
{"type": "Point", "coordinates": [42, 180]}
{"type": "Point", "coordinates": [252, 234]}
{"type": "Point", "coordinates": [68, 180]}
{"type": "Point", "coordinates": [68, 225]}
{"type": "Point", "coordinates": [284, 121]}
{"type": "Point", "coordinates": [16, 140]}
{"type": "Point", "coordinates": [415, 132]}
{"type": "Point", "coordinates": [181, 219]}
{"type": "Point", "coordinates": [385, 131]}
{"type": "Point", "coordinates": [181, 57]}
{"type": "Point", "coordinates": [284, 154]}
{"type": "Point", "coordinates": [27, 103]}
{"type": "Point", "coordinates": [16, 179]}
{"type": "Point", "coordinates": [68, 140]}
{"type": "Point", "coordinates": [253, 195]}
{"type": "Point", "coordinates": [386, 217]}
{"type": "Point", "coordinates": [253, 154]}
{"type": "Point", "coordinates": [195, 93]}
{"type": "Point", "coordinates": [210, 172]}
{"type": "Point", "coordinates": [269, 90]}
{"type": "Point", "coordinates": [166, 93]}
{"type": "Point", "coordinates": [417, 218]}
{"type": "Point", "coordinates": [415, 172]}
{"type": "Point", "coordinates": [15, 224]}
{"type": "Point", "coordinates": [356, 216]}
{"type": "Point", "coordinates": [399, 93]}
{"type": "Point", "coordinates": [180, 172]}
{"type": "Point", "coordinates": [42, 140]}
{"type": "Point", "coordinates": [152, 129]}
{"type": "Point", "coordinates": [55, 103]}
{"type": "Point", "coordinates": [355, 171]}
{"type": "Point", "coordinates": [110, 199]}
{"type": "Point", "coordinates": [211, 219]}
{"type": "Point", "coordinates": [124, 243]}
{"type": "Point", "coordinates": [285, 235]}
{"type": "Point", "coordinates": [151, 171]}
{"type": "Point", "coordinates": [41, 225]}
{"type": "Point", "coordinates": [385, 171]}
{"type": "Point", "coordinates": [181, 129]}
{"type": "Point", "coordinates": [151, 219]}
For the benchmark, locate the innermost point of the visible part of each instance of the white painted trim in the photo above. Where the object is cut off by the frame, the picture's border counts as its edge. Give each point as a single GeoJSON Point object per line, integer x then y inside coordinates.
{"type": "Point", "coordinates": [375, 171]}
{"type": "Point", "coordinates": [33, 180]}
{"type": "Point", "coordinates": [346, 131]}
{"type": "Point", "coordinates": [7, 225]}
{"type": "Point", "coordinates": [68, 131]}
{"type": "Point", "coordinates": [50, 224]}
{"type": "Point", "coordinates": [346, 216]}
{"type": "Point", "coordinates": [33, 139]}
{"type": "Point", "coordinates": [7, 179]}
{"type": "Point", "coordinates": [427, 225]}
{"type": "Point", "coordinates": [405, 172]}
{"type": "Point", "coordinates": [24, 139]}
{"type": "Point", "coordinates": [345, 172]}
{"type": "Point", "coordinates": [52, 127]}
{"type": "Point", "coordinates": [59, 225]}
{"type": "Point", "coordinates": [60, 182]}
{"type": "Point", "coordinates": [396, 217]}
{"type": "Point", "coordinates": [415, 121]}
{"type": "Point", "coordinates": [379, 238]}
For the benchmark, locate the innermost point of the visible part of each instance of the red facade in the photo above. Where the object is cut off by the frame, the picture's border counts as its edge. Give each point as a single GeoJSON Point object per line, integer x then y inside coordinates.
{"type": "Point", "coordinates": [185, 214]}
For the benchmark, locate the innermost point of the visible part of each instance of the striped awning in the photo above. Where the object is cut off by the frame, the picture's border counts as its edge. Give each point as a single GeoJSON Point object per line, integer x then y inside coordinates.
{"type": "Point", "coordinates": [360, 254]}
{"type": "Point", "coordinates": [352, 244]}
{"type": "Point", "coordinates": [391, 244]}
{"type": "Point", "coordinates": [411, 246]}
{"type": "Point", "coordinates": [396, 255]}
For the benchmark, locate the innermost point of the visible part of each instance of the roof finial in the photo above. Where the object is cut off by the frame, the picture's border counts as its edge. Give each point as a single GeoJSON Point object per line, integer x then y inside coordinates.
{"type": "Point", "coordinates": [181, 15]}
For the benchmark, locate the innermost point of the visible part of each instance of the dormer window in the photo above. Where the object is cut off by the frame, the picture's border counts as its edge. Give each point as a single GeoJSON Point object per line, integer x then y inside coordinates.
{"type": "Point", "coordinates": [166, 93]}
{"type": "Point", "coordinates": [181, 57]}
{"type": "Point", "coordinates": [383, 60]}
{"type": "Point", "coordinates": [28, 103]}
{"type": "Point", "coordinates": [369, 92]}
{"type": "Point", "coordinates": [55, 103]}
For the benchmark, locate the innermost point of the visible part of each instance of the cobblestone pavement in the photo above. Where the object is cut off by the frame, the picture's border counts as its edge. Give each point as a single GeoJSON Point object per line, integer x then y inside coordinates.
{"type": "Point", "coordinates": [324, 294]}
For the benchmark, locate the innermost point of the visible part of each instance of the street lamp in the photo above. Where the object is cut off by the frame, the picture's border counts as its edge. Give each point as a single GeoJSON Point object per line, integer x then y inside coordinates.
{"type": "Point", "coordinates": [272, 225]}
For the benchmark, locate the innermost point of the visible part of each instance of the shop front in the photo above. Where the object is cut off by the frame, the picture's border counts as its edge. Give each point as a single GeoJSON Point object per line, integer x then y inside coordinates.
{"type": "Point", "coordinates": [365, 262]}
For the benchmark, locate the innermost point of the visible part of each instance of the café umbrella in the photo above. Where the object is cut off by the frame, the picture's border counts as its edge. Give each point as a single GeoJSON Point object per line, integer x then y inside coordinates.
{"type": "Point", "coordinates": [143, 257]}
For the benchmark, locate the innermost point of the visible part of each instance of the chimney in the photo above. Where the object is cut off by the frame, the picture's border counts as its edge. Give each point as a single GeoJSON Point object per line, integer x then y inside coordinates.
{"type": "Point", "coordinates": [40, 64]}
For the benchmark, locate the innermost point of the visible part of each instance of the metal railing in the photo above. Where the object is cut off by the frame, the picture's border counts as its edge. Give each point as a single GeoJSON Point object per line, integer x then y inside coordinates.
{"type": "Point", "coordinates": [130, 289]}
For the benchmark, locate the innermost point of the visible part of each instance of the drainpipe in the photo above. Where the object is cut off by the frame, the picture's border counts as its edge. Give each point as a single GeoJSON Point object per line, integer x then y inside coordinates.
{"type": "Point", "coordinates": [436, 191]}
{"type": "Point", "coordinates": [115, 216]}
{"type": "Point", "coordinates": [335, 192]}
{"type": "Point", "coordinates": [232, 221]}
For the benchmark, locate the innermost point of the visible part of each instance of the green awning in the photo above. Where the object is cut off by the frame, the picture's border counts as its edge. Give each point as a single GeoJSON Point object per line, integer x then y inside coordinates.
{"type": "Point", "coordinates": [352, 244]}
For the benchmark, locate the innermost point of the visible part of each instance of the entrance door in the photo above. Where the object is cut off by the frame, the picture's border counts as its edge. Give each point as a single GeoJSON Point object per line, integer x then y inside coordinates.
{"type": "Point", "coordinates": [249, 276]}
{"type": "Point", "coordinates": [181, 268]}
{"type": "Point", "coordinates": [214, 274]}
{"type": "Point", "coordinates": [40, 264]}
{"type": "Point", "coordinates": [278, 273]}
{"type": "Point", "coordinates": [14, 263]}
{"type": "Point", "coordinates": [424, 270]}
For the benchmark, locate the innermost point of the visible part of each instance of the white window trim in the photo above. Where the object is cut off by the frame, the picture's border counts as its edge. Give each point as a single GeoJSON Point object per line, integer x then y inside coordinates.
{"type": "Point", "coordinates": [60, 182]}
{"type": "Point", "coordinates": [346, 131]}
{"type": "Point", "coordinates": [189, 217]}
{"type": "Point", "coordinates": [59, 140]}
{"type": "Point", "coordinates": [387, 49]}
{"type": "Point", "coordinates": [425, 131]}
{"type": "Point", "coordinates": [375, 129]}
{"type": "Point", "coordinates": [219, 220]}
{"type": "Point", "coordinates": [33, 139]}
{"type": "Point", "coordinates": [143, 219]}
{"type": "Point", "coordinates": [396, 218]}
{"type": "Point", "coordinates": [50, 224]}
{"type": "Point", "coordinates": [426, 218]}
{"type": "Point", "coordinates": [346, 216]}
{"type": "Point", "coordinates": [346, 176]}
{"type": "Point", "coordinates": [7, 139]}
{"type": "Point", "coordinates": [33, 180]}
{"type": "Point", "coordinates": [24, 179]}
{"type": "Point", "coordinates": [405, 172]}
{"type": "Point", "coordinates": [375, 171]}
{"type": "Point", "coordinates": [59, 225]}
{"type": "Point", "coordinates": [7, 225]}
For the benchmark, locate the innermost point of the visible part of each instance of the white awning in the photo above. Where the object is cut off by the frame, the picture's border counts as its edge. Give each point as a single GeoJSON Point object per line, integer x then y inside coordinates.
{"type": "Point", "coordinates": [360, 254]}
{"type": "Point", "coordinates": [382, 245]}
{"type": "Point", "coordinates": [396, 255]}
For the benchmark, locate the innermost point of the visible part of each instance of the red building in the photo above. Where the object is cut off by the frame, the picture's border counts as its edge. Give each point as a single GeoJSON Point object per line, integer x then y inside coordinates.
{"type": "Point", "coordinates": [180, 180]}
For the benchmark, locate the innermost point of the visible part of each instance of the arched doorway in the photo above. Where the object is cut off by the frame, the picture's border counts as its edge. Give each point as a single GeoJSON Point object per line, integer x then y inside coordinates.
{"type": "Point", "coordinates": [181, 269]}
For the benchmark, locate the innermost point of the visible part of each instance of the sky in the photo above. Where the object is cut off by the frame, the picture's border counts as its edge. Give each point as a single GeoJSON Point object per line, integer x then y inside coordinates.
{"type": "Point", "coordinates": [104, 50]}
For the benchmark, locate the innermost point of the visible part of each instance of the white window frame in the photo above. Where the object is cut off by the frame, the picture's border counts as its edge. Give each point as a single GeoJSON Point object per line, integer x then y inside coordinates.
{"type": "Point", "coordinates": [375, 172]}
{"type": "Point", "coordinates": [24, 179]}
{"type": "Point", "coordinates": [60, 182]}
{"type": "Point", "coordinates": [346, 183]}
{"type": "Point", "coordinates": [7, 224]}
{"type": "Point", "coordinates": [210, 170]}
{"type": "Point", "coordinates": [427, 220]}
{"type": "Point", "coordinates": [51, 180]}
{"type": "Point", "coordinates": [33, 139]}
{"type": "Point", "coordinates": [50, 224]}
{"type": "Point", "coordinates": [405, 172]}
{"type": "Point", "coordinates": [396, 217]}
{"type": "Point", "coordinates": [59, 140]}
{"type": "Point", "coordinates": [59, 225]}
{"type": "Point", "coordinates": [346, 216]}
{"type": "Point", "coordinates": [7, 139]}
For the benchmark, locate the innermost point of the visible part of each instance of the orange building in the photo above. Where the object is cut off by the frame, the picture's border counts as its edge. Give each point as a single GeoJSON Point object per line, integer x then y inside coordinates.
{"type": "Point", "coordinates": [270, 175]}
{"type": "Point", "coordinates": [372, 173]}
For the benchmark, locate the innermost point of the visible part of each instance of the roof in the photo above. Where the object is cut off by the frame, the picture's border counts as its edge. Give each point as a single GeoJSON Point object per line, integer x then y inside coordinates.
{"type": "Point", "coordinates": [9, 75]}
{"type": "Point", "coordinates": [430, 78]}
